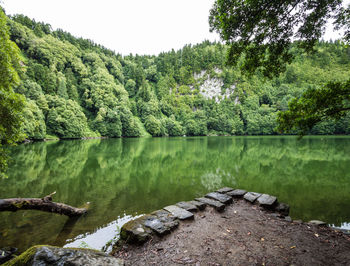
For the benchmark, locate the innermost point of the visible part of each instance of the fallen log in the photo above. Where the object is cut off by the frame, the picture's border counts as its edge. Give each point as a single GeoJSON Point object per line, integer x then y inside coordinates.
{"type": "Point", "coordinates": [43, 204]}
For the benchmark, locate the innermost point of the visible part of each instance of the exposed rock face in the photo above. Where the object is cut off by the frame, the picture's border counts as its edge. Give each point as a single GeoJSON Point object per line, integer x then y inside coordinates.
{"type": "Point", "coordinates": [237, 193]}
{"type": "Point", "coordinates": [48, 255]}
{"type": "Point", "coordinates": [178, 212]}
{"type": "Point", "coordinates": [220, 197]}
{"type": "Point", "coordinates": [212, 87]}
{"type": "Point", "coordinates": [251, 196]}
{"type": "Point", "coordinates": [214, 203]}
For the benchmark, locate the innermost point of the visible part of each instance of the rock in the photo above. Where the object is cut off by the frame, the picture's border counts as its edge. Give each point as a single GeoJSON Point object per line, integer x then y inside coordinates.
{"type": "Point", "coordinates": [224, 190]}
{"type": "Point", "coordinates": [282, 208]}
{"type": "Point", "coordinates": [167, 218]}
{"type": "Point", "coordinates": [135, 232]}
{"type": "Point", "coordinates": [297, 221]}
{"type": "Point", "coordinates": [6, 254]}
{"type": "Point", "coordinates": [49, 255]}
{"type": "Point", "coordinates": [251, 196]}
{"type": "Point", "coordinates": [187, 206]}
{"type": "Point", "coordinates": [220, 197]}
{"type": "Point", "coordinates": [214, 203]}
{"type": "Point", "coordinates": [178, 212]}
{"type": "Point", "coordinates": [317, 222]}
{"type": "Point", "coordinates": [237, 193]}
{"type": "Point", "coordinates": [200, 205]}
{"type": "Point", "coordinates": [267, 201]}
{"type": "Point", "coordinates": [156, 225]}
{"type": "Point", "coordinates": [288, 219]}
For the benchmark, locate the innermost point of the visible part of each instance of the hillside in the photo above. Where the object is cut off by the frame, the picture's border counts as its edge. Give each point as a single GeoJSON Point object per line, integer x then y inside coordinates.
{"type": "Point", "coordinates": [76, 88]}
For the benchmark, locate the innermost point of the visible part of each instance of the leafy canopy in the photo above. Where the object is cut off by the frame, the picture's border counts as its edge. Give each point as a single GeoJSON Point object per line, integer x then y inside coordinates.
{"type": "Point", "coordinates": [262, 31]}
{"type": "Point", "coordinates": [11, 103]}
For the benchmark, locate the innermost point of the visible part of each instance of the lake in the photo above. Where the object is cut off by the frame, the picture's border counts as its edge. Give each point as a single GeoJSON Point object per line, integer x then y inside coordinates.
{"type": "Point", "coordinates": [122, 178]}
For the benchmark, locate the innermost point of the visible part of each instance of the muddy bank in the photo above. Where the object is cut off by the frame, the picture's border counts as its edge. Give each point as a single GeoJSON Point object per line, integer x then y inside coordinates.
{"type": "Point", "coordinates": [244, 234]}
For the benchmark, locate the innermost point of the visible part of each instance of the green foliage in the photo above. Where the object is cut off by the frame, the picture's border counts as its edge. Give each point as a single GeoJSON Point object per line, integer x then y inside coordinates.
{"type": "Point", "coordinates": [11, 103]}
{"type": "Point", "coordinates": [65, 118]}
{"type": "Point", "coordinates": [173, 127]}
{"type": "Point", "coordinates": [263, 36]}
{"type": "Point", "coordinates": [153, 126]}
{"type": "Point", "coordinates": [76, 88]}
{"type": "Point", "coordinates": [34, 121]}
{"type": "Point", "coordinates": [315, 105]}
{"type": "Point", "coordinates": [264, 30]}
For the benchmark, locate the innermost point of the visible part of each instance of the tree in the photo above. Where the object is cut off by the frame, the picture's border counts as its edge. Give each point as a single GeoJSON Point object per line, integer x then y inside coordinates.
{"type": "Point", "coordinates": [263, 31]}
{"type": "Point", "coordinates": [316, 105]}
{"type": "Point", "coordinates": [11, 103]}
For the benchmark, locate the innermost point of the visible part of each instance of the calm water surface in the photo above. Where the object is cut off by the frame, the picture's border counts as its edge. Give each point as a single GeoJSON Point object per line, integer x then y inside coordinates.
{"type": "Point", "coordinates": [123, 178]}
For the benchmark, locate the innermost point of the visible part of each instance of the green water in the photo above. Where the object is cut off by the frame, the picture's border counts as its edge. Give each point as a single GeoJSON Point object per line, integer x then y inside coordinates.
{"type": "Point", "coordinates": [121, 178]}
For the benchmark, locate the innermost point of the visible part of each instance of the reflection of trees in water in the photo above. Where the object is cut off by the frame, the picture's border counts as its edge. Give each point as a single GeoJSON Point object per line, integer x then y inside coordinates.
{"type": "Point", "coordinates": [214, 180]}
{"type": "Point", "coordinates": [140, 175]}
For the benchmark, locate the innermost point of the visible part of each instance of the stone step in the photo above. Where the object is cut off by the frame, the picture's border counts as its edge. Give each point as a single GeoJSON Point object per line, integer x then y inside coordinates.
{"type": "Point", "coordinates": [251, 196]}
{"type": "Point", "coordinates": [200, 205]}
{"type": "Point", "coordinates": [156, 225]}
{"type": "Point", "coordinates": [237, 193]}
{"type": "Point", "coordinates": [178, 212]}
{"type": "Point", "coordinates": [317, 222]}
{"type": "Point", "coordinates": [214, 203]}
{"type": "Point", "coordinates": [161, 222]}
{"type": "Point", "coordinates": [49, 255]}
{"type": "Point", "coordinates": [223, 198]}
{"type": "Point", "coordinates": [135, 231]}
{"type": "Point", "coordinates": [282, 208]}
{"type": "Point", "coordinates": [187, 206]}
{"type": "Point", "coordinates": [224, 190]}
{"type": "Point", "coordinates": [267, 201]}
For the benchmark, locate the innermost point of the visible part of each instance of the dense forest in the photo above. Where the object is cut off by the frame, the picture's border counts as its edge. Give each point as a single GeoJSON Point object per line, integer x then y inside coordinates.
{"type": "Point", "coordinates": [75, 88]}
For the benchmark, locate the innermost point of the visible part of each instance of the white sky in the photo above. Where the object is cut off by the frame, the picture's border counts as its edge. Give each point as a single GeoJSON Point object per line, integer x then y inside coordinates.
{"type": "Point", "coordinates": [127, 26]}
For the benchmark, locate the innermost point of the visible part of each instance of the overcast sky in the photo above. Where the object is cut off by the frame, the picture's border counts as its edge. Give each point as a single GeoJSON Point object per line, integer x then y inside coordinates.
{"type": "Point", "coordinates": [126, 26]}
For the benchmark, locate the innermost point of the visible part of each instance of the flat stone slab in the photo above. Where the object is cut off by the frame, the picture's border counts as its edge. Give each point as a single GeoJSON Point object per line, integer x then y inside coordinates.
{"type": "Point", "coordinates": [317, 222]}
{"type": "Point", "coordinates": [214, 203]}
{"type": "Point", "coordinates": [200, 205]}
{"type": "Point", "coordinates": [237, 193]}
{"type": "Point", "coordinates": [49, 255]}
{"type": "Point", "coordinates": [156, 225]}
{"type": "Point", "coordinates": [220, 197]}
{"type": "Point", "coordinates": [187, 206]}
{"type": "Point", "coordinates": [134, 231]}
{"type": "Point", "coordinates": [251, 196]}
{"type": "Point", "coordinates": [267, 201]}
{"type": "Point", "coordinates": [282, 208]}
{"type": "Point", "coordinates": [224, 190]}
{"type": "Point", "coordinates": [167, 218]}
{"type": "Point", "coordinates": [180, 213]}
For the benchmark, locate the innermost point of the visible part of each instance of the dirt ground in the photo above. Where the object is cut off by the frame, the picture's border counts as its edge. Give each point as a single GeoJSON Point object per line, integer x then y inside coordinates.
{"type": "Point", "coordinates": [244, 234]}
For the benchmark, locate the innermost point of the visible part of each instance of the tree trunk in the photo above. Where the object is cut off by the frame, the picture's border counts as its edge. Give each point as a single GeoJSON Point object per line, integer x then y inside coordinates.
{"type": "Point", "coordinates": [44, 204]}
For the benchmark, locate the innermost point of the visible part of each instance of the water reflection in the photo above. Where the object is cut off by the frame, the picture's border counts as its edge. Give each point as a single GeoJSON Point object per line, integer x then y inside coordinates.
{"type": "Point", "coordinates": [132, 176]}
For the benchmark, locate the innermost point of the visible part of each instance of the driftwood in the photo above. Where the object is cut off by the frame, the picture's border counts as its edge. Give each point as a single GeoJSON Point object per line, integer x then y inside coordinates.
{"type": "Point", "coordinates": [44, 204]}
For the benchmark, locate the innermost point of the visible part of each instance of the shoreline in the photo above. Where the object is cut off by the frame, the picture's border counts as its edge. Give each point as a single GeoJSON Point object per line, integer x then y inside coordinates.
{"type": "Point", "coordinates": [243, 233]}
